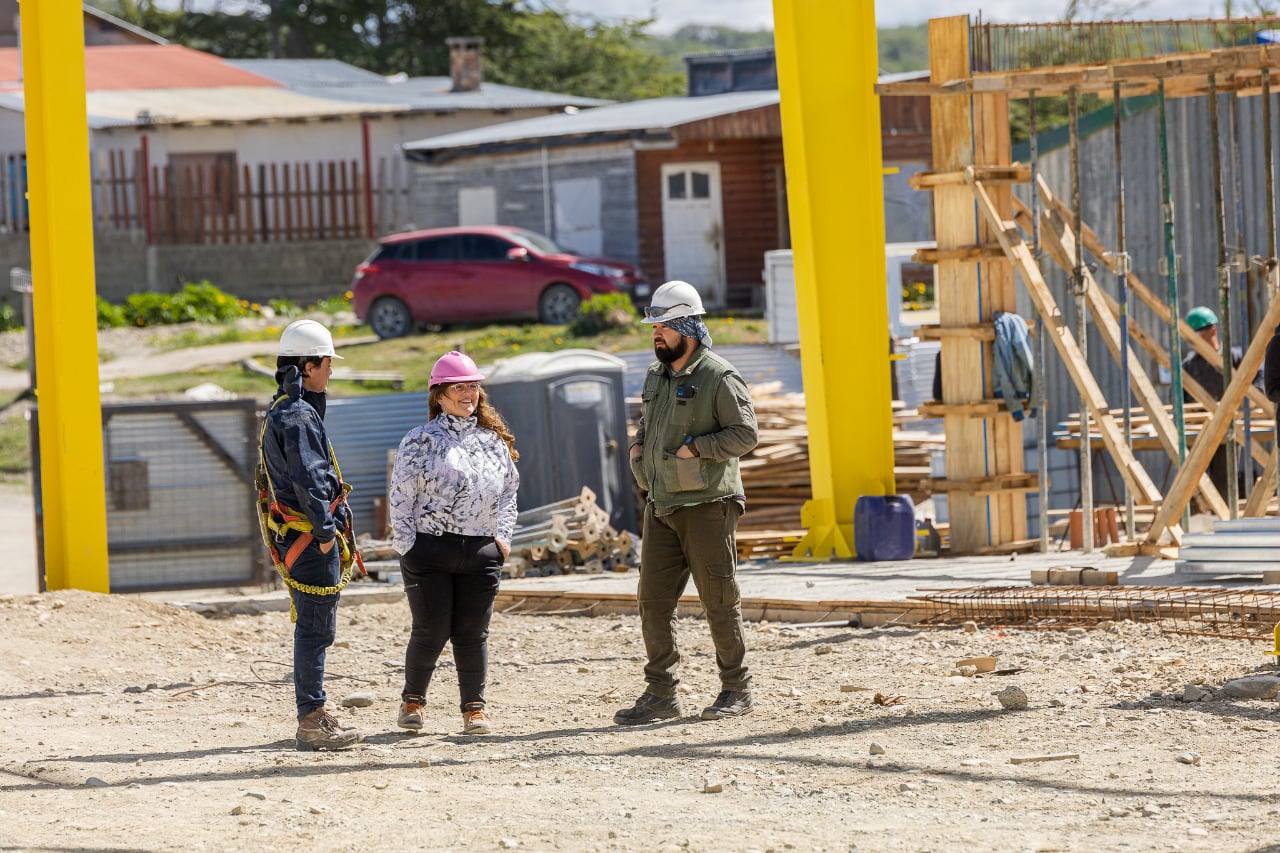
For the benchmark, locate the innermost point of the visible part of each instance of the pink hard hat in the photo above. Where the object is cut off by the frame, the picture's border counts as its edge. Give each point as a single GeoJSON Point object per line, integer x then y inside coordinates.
{"type": "Point", "coordinates": [454, 367]}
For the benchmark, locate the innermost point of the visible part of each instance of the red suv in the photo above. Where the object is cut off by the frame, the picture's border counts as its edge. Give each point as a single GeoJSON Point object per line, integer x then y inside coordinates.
{"type": "Point", "coordinates": [494, 272]}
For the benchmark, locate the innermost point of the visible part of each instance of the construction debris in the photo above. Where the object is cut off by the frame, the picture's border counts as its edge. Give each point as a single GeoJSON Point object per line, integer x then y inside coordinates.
{"type": "Point", "coordinates": [572, 535]}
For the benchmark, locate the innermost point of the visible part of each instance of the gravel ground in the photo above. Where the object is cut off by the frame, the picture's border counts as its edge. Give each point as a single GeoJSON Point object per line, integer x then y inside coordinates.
{"type": "Point", "coordinates": [133, 725]}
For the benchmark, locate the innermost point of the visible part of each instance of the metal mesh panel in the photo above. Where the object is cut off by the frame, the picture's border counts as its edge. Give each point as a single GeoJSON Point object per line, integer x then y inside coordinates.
{"type": "Point", "coordinates": [1248, 614]}
{"type": "Point", "coordinates": [1013, 47]}
{"type": "Point", "coordinates": [180, 503]}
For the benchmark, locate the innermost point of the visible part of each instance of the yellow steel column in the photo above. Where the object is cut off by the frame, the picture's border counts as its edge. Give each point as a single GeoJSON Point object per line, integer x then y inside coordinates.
{"type": "Point", "coordinates": [827, 70]}
{"type": "Point", "coordinates": [66, 328]}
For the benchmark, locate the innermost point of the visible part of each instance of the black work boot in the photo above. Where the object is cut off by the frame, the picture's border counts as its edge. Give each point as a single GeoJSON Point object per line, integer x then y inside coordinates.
{"type": "Point", "coordinates": [321, 730]}
{"type": "Point", "coordinates": [647, 709]}
{"type": "Point", "coordinates": [730, 703]}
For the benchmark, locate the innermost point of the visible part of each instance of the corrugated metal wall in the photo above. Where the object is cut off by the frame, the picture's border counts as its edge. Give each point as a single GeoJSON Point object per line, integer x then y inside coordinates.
{"type": "Point", "coordinates": [362, 430]}
{"type": "Point", "coordinates": [1192, 191]}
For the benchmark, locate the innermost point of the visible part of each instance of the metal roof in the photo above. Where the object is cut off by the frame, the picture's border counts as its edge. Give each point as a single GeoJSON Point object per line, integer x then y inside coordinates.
{"type": "Point", "coordinates": [635, 118]}
{"type": "Point", "coordinates": [143, 66]}
{"type": "Point", "coordinates": [329, 78]}
{"type": "Point", "coordinates": [233, 104]}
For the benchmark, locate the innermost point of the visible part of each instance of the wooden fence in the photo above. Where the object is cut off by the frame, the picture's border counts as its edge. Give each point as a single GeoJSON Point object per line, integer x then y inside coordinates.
{"type": "Point", "coordinates": [220, 202]}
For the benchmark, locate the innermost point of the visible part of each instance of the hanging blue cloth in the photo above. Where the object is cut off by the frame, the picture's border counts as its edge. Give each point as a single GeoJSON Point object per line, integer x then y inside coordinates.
{"type": "Point", "coordinates": [1013, 371]}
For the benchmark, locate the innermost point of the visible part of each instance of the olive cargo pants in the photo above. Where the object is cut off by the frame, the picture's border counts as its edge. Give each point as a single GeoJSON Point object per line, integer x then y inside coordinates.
{"type": "Point", "coordinates": [699, 541]}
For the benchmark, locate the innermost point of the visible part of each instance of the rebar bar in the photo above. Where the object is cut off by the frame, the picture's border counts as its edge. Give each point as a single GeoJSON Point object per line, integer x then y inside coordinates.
{"type": "Point", "coordinates": [1042, 427]}
{"type": "Point", "coordinates": [1082, 326]}
{"type": "Point", "coordinates": [1171, 264]}
{"type": "Point", "coordinates": [1225, 302]}
{"type": "Point", "coordinates": [1122, 285]}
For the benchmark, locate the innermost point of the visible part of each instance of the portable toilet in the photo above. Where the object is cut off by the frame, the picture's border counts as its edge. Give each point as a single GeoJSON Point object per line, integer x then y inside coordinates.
{"type": "Point", "coordinates": [567, 410]}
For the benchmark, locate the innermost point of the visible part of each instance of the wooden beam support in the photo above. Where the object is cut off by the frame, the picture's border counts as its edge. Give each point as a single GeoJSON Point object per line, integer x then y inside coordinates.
{"type": "Point", "coordinates": [982, 409]}
{"type": "Point", "coordinates": [1198, 459]}
{"type": "Point", "coordinates": [999, 484]}
{"type": "Point", "coordinates": [1015, 173]}
{"type": "Point", "coordinates": [976, 331]}
{"type": "Point", "coordinates": [985, 252]}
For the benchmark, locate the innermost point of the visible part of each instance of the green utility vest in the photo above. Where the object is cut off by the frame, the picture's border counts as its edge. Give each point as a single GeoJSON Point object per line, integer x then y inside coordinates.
{"type": "Point", "coordinates": [674, 407]}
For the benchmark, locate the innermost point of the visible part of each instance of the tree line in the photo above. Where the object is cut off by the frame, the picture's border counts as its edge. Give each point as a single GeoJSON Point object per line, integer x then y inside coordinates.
{"type": "Point", "coordinates": [535, 45]}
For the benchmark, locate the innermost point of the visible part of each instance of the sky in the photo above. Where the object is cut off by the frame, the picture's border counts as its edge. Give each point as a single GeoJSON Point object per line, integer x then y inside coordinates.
{"type": "Point", "coordinates": [670, 15]}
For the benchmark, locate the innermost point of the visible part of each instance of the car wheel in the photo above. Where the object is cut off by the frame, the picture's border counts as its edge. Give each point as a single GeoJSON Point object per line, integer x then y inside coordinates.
{"type": "Point", "coordinates": [558, 305]}
{"type": "Point", "coordinates": [390, 318]}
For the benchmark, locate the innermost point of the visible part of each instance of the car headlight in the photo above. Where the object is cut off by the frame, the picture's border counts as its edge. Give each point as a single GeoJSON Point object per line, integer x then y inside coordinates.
{"type": "Point", "coordinates": [599, 269]}
{"type": "Point", "coordinates": [642, 288]}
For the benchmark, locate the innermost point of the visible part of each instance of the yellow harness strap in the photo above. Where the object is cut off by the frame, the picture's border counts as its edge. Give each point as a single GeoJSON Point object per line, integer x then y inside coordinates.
{"type": "Point", "coordinates": [269, 507]}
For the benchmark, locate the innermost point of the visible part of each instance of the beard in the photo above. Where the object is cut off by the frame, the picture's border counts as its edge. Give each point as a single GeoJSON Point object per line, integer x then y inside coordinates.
{"type": "Point", "coordinates": [670, 355]}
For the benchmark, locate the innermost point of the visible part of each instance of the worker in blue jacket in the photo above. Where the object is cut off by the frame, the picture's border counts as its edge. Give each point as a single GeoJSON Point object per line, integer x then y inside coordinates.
{"type": "Point", "coordinates": [310, 514]}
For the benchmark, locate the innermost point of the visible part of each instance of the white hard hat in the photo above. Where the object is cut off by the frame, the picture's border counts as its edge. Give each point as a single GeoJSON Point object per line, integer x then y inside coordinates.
{"type": "Point", "coordinates": [306, 338]}
{"type": "Point", "coordinates": [672, 300]}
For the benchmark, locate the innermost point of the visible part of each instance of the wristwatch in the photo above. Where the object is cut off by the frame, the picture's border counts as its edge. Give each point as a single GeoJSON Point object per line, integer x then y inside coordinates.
{"type": "Point", "coordinates": [693, 448]}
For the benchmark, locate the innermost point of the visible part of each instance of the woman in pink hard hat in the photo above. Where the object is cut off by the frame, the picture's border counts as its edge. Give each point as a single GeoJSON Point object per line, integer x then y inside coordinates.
{"type": "Point", "coordinates": [453, 510]}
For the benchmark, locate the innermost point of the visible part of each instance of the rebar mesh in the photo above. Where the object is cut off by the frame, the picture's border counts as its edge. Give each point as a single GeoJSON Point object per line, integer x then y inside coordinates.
{"type": "Point", "coordinates": [1017, 47]}
{"type": "Point", "coordinates": [1247, 614]}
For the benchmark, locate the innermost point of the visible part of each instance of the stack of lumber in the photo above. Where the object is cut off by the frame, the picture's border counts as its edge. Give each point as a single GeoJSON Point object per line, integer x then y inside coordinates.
{"type": "Point", "coordinates": [572, 535]}
{"type": "Point", "coordinates": [1195, 416]}
{"type": "Point", "coordinates": [775, 476]}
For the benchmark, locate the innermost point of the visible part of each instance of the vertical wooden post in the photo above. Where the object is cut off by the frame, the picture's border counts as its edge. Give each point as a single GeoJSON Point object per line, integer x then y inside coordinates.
{"type": "Point", "coordinates": [72, 478]}
{"type": "Point", "coordinates": [971, 131]}
{"type": "Point", "coordinates": [367, 153]}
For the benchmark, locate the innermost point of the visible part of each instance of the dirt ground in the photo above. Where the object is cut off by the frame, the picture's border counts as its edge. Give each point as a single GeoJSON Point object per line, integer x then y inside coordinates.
{"type": "Point", "coordinates": [129, 724]}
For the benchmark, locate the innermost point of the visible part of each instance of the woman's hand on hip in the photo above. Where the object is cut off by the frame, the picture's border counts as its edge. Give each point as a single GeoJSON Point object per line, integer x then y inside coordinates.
{"type": "Point", "coordinates": [326, 547]}
{"type": "Point", "coordinates": [504, 546]}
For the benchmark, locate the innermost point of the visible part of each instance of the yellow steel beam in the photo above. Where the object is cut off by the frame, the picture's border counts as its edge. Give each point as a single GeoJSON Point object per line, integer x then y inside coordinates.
{"type": "Point", "coordinates": [72, 483]}
{"type": "Point", "coordinates": [827, 71]}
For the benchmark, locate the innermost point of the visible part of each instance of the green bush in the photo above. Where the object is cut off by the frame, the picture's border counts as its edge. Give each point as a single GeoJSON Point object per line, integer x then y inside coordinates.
{"type": "Point", "coordinates": [110, 316]}
{"type": "Point", "coordinates": [10, 317]}
{"type": "Point", "coordinates": [601, 313]}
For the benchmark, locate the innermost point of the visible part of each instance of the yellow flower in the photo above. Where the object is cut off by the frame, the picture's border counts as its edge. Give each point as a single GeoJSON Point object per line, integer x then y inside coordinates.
{"type": "Point", "coordinates": [515, 346]}
{"type": "Point", "coordinates": [346, 297]}
{"type": "Point", "coordinates": [729, 320]}
{"type": "Point", "coordinates": [559, 340]}
{"type": "Point", "coordinates": [256, 307]}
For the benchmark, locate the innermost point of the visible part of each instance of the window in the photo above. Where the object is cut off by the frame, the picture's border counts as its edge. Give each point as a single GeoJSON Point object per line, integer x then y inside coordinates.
{"type": "Point", "coordinates": [480, 247]}
{"type": "Point", "coordinates": [701, 184]}
{"type": "Point", "coordinates": [675, 185]}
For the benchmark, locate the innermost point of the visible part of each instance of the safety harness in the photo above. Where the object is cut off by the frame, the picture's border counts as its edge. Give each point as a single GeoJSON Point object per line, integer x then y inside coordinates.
{"type": "Point", "coordinates": [275, 519]}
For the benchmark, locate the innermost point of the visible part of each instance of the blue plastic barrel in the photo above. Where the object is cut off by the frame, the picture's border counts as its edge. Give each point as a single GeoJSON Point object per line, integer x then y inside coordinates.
{"type": "Point", "coordinates": [884, 527]}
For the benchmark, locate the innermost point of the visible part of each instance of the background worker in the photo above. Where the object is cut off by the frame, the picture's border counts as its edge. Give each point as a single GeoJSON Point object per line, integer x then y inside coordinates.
{"type": "Point", "coordinates": [453, 511]}
{"type": "Point", "coordinates": [697, 419]}
{"type": "Point", "coordinates": [303, 476]}
{"type": "Point", "coordinates": [1204, 323]}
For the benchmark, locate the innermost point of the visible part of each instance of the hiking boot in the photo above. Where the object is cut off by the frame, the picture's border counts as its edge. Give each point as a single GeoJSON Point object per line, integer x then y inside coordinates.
{"type": "Point", "coordinates": [475, 722]}
{"type": "Point", "coordinates": [647, 709]}
{"type": "Point", "coordinates": [730, 703]}
{"type": "Point", "coordinates": [411, 713]}
{"type": "Point", "coordinates": [321, 730]}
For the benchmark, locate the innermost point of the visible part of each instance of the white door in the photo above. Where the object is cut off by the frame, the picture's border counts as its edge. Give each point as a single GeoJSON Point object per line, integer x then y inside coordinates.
{"type": "Point", "coordinates": [577, 204]}
{"type": "Point", "coordinates": [693, 228]}
{"type": "Point", "coordinates": [477, 206]}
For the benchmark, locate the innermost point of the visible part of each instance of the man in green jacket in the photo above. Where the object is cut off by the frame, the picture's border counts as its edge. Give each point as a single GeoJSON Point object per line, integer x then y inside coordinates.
{"type": "Point", "coordinates": [697, 420]}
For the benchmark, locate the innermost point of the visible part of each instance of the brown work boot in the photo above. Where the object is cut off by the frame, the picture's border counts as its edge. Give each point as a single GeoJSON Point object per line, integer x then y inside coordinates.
{"type": "Point", "coordinates": [321, 730]}
{"type": "Point", "coordinates": [411, 713]}
{"type": "Point", "coordinates": [475, 722]}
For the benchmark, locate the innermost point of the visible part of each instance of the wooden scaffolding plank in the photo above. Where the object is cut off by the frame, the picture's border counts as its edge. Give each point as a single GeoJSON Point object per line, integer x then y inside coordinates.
{"type": "Point", "coordinates": [1061, 244]}
{"type": "Point", "coordinates": [1144, 489]}
{"type": "Point", "coordinates": [1198, 459]}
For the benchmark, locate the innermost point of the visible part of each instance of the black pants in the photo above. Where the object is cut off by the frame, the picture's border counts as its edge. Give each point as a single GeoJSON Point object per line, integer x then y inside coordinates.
{"type": "Point", "coordinates": [451, 582]}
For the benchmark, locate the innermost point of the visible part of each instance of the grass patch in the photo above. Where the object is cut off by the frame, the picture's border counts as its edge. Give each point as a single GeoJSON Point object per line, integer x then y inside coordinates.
{"type": "Point", "coordinates": [15, 442]}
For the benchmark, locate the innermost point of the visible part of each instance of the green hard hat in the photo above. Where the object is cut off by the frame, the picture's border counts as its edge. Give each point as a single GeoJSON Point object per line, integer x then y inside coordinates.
{"type": "Point", "coordinates": [1201, 318]}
